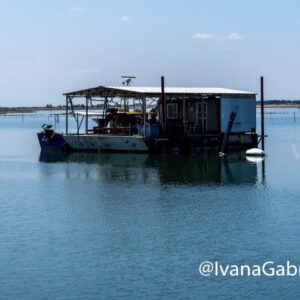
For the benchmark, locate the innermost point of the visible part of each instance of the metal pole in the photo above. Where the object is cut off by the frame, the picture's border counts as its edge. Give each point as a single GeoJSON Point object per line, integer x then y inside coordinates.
{"type": "Point", "coordinates": [77, 123]}
{"type": "Point", "coordinates": [86, 115]}
{"type": "Point", "coordinates": [104, 107]}
{"type": "Point", "coordinates": [262, 113]}
{"type": "Point", "coordinates": [164, 118]}
{"type": "Point", "coordinates": [67, 114]}
{"type": "Point", "coordinates": [183, 103]}
{"type": "Point", "coordinates": [144, 111]}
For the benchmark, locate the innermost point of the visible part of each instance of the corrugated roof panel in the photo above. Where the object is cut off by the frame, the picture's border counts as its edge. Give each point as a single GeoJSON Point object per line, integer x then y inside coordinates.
{"type": "Point", "coordinates": [155, 91]}
{"type": "Point", "coordinates": [180, 90]}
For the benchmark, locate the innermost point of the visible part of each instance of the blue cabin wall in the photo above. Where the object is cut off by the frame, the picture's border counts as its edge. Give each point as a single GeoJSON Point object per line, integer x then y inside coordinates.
{"type": "Point", "coordinates": [245, 107]}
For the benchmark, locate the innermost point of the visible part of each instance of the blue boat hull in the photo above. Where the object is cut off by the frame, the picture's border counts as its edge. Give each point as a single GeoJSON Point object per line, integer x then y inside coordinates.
{"type": "Point", "coordinates": [53, 142]}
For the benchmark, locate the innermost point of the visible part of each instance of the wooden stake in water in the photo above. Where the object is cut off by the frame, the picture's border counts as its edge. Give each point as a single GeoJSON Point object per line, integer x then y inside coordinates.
{"type": "Point", "coordinates": [164, 107]}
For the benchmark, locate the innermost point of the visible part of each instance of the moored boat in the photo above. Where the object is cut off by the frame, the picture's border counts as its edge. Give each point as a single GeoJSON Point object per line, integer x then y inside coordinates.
{"type": "Point", "coordinates": [51, 140]}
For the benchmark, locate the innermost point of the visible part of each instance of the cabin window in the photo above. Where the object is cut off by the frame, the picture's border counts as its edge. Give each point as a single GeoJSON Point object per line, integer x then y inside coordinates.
{"type": "Point", "coordinates": [201, 113]}
{"type": "Point", "coordinates": [172, 110]}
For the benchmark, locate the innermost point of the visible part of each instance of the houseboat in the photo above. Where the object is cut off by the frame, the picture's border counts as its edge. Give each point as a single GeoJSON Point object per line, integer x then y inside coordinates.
{"type": "Point", "coordinates": [156, 119]}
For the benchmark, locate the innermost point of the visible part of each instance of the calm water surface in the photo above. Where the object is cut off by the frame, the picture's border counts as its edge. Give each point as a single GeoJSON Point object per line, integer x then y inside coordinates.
{"type": "Point", "coordinates": [113, 226]}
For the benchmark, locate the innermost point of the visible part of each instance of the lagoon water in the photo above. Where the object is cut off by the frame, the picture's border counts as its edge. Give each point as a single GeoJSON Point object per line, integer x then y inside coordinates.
{"type": "Point", "coordinates": [118, 226]}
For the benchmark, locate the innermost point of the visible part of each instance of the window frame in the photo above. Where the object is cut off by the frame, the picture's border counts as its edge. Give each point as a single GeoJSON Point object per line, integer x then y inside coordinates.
{"type": "Point", "coordinates": [169, 111]}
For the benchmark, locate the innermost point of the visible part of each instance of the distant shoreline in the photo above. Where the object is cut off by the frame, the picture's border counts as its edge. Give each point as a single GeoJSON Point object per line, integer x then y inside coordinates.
{"type": "Point", "coordinates": [33, 109]}
{"type": "Point", "coordinates": [280, 106]}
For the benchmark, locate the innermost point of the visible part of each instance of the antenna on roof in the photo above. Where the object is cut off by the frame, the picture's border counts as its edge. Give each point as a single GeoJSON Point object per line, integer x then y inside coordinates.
{"type": "Point", "coordinates": [126, 80]}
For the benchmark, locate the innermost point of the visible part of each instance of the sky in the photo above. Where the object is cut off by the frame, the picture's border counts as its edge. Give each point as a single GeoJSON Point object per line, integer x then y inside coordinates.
{"type": "Point", "coordinates": [51, 47]}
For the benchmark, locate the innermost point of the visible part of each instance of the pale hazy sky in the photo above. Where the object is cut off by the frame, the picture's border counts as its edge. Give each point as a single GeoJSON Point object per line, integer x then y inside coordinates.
{"type": "Point", "coordinates": [50, 47]}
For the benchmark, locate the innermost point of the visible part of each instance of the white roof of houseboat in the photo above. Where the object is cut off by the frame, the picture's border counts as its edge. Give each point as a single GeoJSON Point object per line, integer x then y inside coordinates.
{"type": "Point", "coordinates": [179, 90]}
{"type": "Point", "coordinates": [120, 91]}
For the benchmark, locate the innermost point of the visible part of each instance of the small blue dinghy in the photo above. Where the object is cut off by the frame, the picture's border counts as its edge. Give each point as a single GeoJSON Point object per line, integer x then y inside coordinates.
{"type": "Point", "coordinates": [51, 140]}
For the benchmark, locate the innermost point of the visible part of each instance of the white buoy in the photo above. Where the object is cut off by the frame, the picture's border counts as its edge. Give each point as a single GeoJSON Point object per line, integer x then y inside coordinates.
{"type": "Point", "coordinates": [255, 152]}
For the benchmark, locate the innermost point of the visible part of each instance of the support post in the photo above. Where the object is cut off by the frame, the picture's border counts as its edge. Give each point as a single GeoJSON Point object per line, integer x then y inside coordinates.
{"type": "Point", "coordinates": [67, 114]}
{"type": "Point", "coordinates": [144, 113]}
{"type": "Point", "coordinates": [105, 107]}
{"type": "Point", "coordinates": [86, 115]}
{"type": "Point", "coordinates": [262, 113]}
{"type": "Point", "coordinates": [183, 109]}
{"type": "Point", "coordinates": [164, 109]}
{"type": "Point", "coordinates": [202, 115]}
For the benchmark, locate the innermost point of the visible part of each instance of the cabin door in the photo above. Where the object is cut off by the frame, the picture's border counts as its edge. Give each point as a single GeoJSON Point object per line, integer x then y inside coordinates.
{"type": "Point", "coordinates": [201, 116]}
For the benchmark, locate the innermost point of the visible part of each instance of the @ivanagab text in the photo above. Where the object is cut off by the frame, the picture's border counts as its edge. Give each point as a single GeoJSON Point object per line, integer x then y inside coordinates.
{"type": "Point", "coordinates": [268, 268]}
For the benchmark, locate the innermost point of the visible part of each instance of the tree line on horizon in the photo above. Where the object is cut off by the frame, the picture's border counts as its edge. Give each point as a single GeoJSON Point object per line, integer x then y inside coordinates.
{"type": "Point", "coordinates": [292, 102]}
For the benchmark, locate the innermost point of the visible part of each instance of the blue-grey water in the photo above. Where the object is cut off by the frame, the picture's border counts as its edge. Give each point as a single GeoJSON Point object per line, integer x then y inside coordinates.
{"type": "Point", "coordinates": [118, 226]}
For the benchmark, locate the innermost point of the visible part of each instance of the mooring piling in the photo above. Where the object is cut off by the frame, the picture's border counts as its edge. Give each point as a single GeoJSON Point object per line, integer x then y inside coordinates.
{"type": "Point", "coordinates": [262, 113]}
{"type": "Point", "coordinates": [164, 108]}
{"type": "Point", "coordinates": [67, 114]}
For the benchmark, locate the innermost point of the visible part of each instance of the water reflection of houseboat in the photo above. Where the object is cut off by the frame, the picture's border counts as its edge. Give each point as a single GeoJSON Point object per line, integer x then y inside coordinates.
{"type": "Point", "coordinates": [195, 168]}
